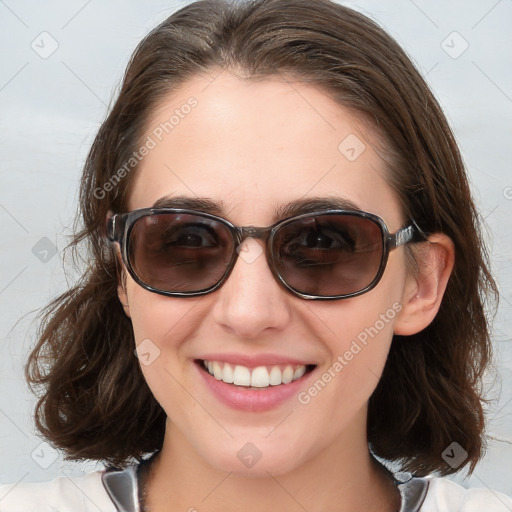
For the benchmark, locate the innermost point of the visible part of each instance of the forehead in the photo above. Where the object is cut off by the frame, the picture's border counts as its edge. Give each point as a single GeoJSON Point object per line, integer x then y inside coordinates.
{"type": "Point", "coordinates": [252, 146]}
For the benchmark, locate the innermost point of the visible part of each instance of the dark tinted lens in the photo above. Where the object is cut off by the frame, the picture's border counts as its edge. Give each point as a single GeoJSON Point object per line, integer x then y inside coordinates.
{"type": "Point", "coordinates": [329, 255]}
{"type": "Point", "coordinates": [179, 252]}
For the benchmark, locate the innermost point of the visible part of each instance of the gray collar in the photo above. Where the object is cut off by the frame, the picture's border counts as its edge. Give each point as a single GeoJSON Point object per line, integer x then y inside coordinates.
{"type": "Point", "coordinates": [123, 489]}
{"type": "Point", "coordinates": [412, 491]}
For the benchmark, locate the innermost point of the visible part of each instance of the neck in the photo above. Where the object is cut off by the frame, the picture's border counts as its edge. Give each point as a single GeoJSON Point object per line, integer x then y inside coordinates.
{"type": "Point", "coordinates": [344, 474]}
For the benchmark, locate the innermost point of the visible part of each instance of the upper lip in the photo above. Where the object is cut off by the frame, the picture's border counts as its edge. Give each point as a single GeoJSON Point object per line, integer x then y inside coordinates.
{"type": "Point", "coordinates": [254, 361]}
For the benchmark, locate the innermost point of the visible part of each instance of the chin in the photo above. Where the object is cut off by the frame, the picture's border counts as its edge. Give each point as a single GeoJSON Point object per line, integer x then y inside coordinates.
{"type": "Point", "coordinates": [253, 459]}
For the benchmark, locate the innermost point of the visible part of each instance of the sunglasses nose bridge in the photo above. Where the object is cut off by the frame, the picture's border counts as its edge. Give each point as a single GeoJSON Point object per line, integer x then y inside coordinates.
{"type": "Point", "coordinates": [252, 232]}
{"type": "Point", "coordinates": [262, 233]}
{"type": "Point", "coordinates": [241, 234]}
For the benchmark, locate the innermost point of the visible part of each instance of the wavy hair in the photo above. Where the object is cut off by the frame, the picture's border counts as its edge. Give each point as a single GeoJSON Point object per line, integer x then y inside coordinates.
{"type": "Point", "coordinates": [93, 400]}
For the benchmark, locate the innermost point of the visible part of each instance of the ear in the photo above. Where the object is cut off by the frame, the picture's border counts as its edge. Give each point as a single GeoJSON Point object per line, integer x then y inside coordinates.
{"type": "Point", "coordinates": [121, 285]}
{"type": "Point", "coordinates": [424, 291]}
{"type": "Point", "coordinates": [123, 297]}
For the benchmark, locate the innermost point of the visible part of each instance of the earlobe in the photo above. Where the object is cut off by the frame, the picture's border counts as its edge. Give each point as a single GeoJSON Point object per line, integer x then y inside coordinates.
{"type": "Point", "coordinates": [424, 291]}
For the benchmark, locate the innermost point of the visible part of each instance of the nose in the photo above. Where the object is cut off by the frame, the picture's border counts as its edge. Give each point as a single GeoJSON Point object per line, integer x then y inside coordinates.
{"type": "Point", "coordinates": [251, 301]}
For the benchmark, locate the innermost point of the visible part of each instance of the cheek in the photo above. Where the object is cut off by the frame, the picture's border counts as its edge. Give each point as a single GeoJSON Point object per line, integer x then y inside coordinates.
{"type": "Point", "coordinates": [362, 358]}
{"type": "Point", "coordinates": [358, 334]}
{"type": "Point", "coordinates": [161, 325]}
{"type": "Point", "coordinates": [359, 347]}
{"type": "Point", "coordinates": [156, 316]}
{"type": "Point", "coordinates": [337, 399]}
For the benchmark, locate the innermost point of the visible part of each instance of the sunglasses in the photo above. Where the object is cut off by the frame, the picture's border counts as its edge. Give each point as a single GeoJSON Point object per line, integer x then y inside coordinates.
{"type": "Point", "coordinates": [330, 254]}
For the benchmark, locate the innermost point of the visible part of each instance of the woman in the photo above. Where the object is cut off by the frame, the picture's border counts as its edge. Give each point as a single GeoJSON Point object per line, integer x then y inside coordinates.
{"type": "Point", "coordinates": [286, 280]}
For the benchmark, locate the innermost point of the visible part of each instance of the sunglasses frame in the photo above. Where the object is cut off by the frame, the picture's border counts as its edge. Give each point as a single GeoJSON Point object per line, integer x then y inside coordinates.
{"type": "Point", "coordinates": [120, 225]}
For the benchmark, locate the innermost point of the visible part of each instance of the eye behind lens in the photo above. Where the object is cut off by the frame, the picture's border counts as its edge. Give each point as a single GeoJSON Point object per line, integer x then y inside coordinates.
{"type": "Point", "coordinates": [333, 256]}
{"type": "Point", "coordinates": [179, 253]}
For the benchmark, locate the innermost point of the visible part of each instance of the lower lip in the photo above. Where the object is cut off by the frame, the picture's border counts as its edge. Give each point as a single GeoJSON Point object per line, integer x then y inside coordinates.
{"type": "Point", "coordinates": [250, 399]}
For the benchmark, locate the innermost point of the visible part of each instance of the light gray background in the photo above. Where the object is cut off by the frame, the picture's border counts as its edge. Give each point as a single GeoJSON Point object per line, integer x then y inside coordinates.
{"type": "Point", "coordinates": [50, 109]}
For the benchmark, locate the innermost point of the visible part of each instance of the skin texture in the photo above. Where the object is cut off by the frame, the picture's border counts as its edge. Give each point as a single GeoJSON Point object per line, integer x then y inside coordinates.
{"type": "Point", "coordinates": [255, 145]}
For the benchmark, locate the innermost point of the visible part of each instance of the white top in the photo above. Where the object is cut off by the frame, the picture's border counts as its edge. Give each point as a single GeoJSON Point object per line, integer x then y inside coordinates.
{"type": "Point", "coordinates": [116, 491]}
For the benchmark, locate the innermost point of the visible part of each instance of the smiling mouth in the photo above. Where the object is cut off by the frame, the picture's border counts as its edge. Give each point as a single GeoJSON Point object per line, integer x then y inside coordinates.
{"type": "Point", "coordinates": [260, 377]}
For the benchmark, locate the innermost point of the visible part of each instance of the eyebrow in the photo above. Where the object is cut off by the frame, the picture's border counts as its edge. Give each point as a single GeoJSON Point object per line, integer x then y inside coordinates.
{"type": "Point", "coordinates": [202, 204]}
{"type": "Point", "coordinates": [296, 207]}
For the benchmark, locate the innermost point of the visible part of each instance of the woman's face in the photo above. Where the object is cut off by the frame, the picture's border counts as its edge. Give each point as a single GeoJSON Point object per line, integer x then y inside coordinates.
{"type": "Point", "coordinates": [252, 147]}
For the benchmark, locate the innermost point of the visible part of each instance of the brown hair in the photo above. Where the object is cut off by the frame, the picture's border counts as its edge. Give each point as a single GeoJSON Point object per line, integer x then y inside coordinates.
{"type": "Point", "coordinates": [95, 403]}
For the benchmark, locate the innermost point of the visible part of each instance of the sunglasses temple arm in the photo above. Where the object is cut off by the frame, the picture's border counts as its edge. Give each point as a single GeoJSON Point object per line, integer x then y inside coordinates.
{"type": "Point", "coordinates": [115, 228]}
{"type": "Point", "coordinates": [412, 233]}
{"type": "Point", "coordinates": [111, 228]}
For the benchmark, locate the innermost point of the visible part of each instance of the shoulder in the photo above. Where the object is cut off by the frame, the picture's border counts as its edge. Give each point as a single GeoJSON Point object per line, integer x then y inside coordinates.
{"type": "Point", "coordinates": [443, 495]}
{"type": "Point", "coordinates": [64, 494]}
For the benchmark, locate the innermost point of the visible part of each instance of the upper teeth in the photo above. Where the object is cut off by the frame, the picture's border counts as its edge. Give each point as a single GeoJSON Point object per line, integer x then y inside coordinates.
{"type": "Point", "coordinates": [259, 377]}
